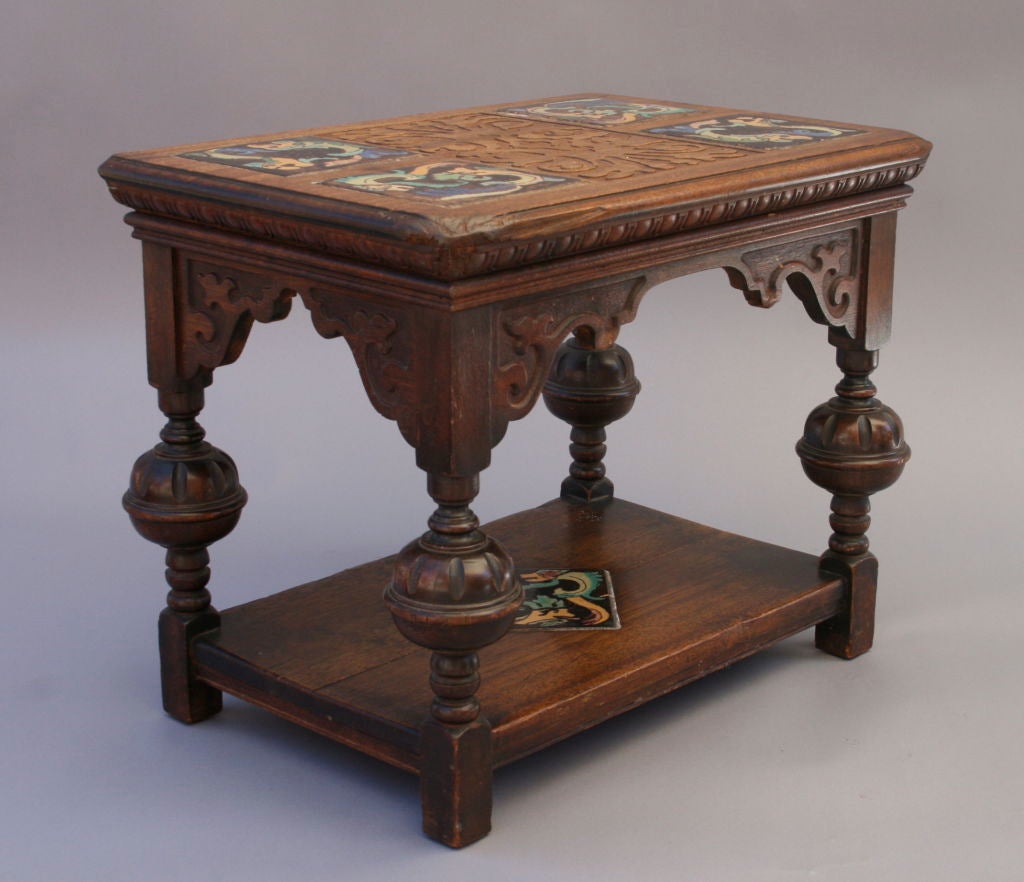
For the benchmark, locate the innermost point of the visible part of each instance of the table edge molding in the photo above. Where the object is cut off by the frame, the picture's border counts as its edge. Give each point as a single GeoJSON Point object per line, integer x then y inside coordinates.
{"type": "Point", "coordinates": [427, 249]}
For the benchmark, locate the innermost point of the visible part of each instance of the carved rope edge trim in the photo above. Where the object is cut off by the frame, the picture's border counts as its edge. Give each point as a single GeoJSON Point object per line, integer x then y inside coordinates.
{"type": "Point", "coordinates": [487, 260]}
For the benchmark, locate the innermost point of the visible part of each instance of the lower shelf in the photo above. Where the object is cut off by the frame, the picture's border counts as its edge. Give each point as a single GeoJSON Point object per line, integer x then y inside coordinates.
{"type": "Point", "coordinates": [692, 600]}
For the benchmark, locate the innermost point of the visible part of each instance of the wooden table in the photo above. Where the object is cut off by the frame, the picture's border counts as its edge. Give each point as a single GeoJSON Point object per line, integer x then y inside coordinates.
{"type": "Point", "coordinates": [474, 260]}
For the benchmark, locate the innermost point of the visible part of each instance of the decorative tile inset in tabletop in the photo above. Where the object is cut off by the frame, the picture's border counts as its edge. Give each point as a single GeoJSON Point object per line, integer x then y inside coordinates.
{"type": "Point", "coordinates": [757, 132]}
{"type": "Point", "coordinates": [448, 181]}
{"type": "Point", "coordinates": [599, 111]}
{"type": "Point", "coordinates": [292, 156]}
{"type": "Point", "coordinates": [567, 600]}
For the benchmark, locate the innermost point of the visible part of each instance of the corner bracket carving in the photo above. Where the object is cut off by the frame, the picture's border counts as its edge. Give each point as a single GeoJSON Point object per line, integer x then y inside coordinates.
{"type": "Point", "coordinates": [824, 274]}
{"type": "Point", "coordinates": [529, 336]}
{"type": "Point", "coordinates": [380, 342]}
{"type": "Point", "coordinates": [223, 303]}
{"type": "Point", "coordinates": [219, 313]}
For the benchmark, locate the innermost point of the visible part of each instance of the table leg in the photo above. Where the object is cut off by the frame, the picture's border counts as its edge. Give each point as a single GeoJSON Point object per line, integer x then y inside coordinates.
{"type": "Point", "coordinates": [589, 388]}
{"type": "Point", "coordinates": [852, 446]}
{"type": "Point", "coordinates": [185, 495]}
{"type": "Point", "coordinates": [454, 591]}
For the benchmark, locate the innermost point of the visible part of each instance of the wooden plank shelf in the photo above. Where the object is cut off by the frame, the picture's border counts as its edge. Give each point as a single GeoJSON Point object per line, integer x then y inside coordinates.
{"type": "Point", "coordinates": [692, 600]}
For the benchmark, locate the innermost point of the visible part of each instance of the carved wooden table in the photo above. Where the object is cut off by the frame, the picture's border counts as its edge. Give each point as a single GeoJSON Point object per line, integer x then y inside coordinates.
{"type": "Point", "coordinates": [473, 260]}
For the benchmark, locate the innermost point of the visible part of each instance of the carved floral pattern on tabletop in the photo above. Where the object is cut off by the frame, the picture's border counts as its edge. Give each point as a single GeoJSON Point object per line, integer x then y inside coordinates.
{"type": "Point", "coordinates": [545, 147]}
{"type": "Point", "coordinates": [292, 156]}
{"type": "Point", "coordinates": [449, 181]}
{"type": "Point", "coordinates": [599, 111]}
{"type": "Point", "coordinates": [758, 132]}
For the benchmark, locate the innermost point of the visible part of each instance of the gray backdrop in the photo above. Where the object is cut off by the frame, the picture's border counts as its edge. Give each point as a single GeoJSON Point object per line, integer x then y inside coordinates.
{"type": "Point", "coordinates": [903, 765]}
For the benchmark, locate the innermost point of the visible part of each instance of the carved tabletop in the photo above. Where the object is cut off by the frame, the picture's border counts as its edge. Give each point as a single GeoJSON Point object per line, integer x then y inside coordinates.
{"type": "Point", "coordinates": [474, 260]}
{"type": "Point", "coordinates": [457, 194]}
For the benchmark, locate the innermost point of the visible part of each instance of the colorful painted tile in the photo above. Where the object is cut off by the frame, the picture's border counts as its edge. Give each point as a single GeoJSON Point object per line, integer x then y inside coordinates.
{"type": "Point", "coordinates": [599, 111]}
{"type": "Point", "coordinates": [567, 600]}
{"type": "Point", "coordinates": [448, 181]}
{"type": "Point", "coordinates": [292, 156]}
{"type": "Point", "coordinates": [757, 132]}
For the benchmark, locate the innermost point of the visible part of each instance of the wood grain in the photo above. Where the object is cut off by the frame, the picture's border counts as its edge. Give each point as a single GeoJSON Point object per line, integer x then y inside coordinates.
{"type": "Point", "coordinates": [692, 600]}
{"type": "Point", "coordinates": [455, 252]}
{"type": "Point", "coordinates": [621, 184]}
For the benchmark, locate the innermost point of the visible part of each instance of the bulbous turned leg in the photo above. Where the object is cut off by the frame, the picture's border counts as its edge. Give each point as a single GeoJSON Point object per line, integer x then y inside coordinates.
{"type": "Point", "coordinates": [185, 495]}
{"type": "Point", "coordinates": [589, 388]}
{"type": "Point", "coordinates": [454, 591]}
{"type": "Point", "coordinates": [852, 446]}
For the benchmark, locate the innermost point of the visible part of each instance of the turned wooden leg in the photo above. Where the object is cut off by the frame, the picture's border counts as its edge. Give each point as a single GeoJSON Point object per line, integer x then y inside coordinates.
{"type": "Point", "coordinates": [852, 446]}
{"type": "Point", "coordinates": [454, 591]}
{"type": "Point", "coordinates": [589, 388]}
{"type": "Point", "coordinates": [185, 495]}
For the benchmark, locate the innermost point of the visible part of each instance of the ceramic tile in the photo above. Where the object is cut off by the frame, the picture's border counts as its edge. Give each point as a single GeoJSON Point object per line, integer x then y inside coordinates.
{"type": "Point", "coordinates": [560, 600]}
{"type": "Point", "coordinates": [755, 132]}
{"type": "Point", "coordinates": [448, 181]}
{"type": "Point", "coordinates": [598, 111]}
{"type": "Point", "coordinates": [291, 157]}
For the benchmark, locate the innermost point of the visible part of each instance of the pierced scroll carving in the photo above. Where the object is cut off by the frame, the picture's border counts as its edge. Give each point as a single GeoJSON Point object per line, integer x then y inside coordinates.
{"type": "Point", "coordinates": [223, 303]}
{"type": "Point", "coordinates": [382, 349]}
{"type": "Point", "coordinates": [219, 313]}
{"type": "Point", "coordinates": [532, 340]}
{"type": "Point", "coordinates": [528, 337]}
{"type": "Point", "coordinates": [825, 275]}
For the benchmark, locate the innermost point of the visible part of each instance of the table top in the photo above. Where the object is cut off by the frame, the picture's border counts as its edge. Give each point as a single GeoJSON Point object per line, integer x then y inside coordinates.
{"type": "Point", "coordinates": [462, 193]}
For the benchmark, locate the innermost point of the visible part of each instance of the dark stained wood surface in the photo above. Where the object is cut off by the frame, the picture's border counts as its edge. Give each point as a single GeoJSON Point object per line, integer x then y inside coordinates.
{"type": "Point", "coordinates": [692, 599]}
{"type": "Point", "coordinates": [559, 183]}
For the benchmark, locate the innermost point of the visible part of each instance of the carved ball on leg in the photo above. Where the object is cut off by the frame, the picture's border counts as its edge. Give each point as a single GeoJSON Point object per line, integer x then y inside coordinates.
{"type": "Point", "coordinates": [857, 446]}
{"type": "Point", "coordinates": [454, 590]}
{"type": "Point", "coordinates": [853, 446]}
{"type": "Point", "coordinates": [453, 599]}
{"type": "Point", "coordinates": [185, 495]}
{"type": "Point", "coordinates": [589, 388]}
